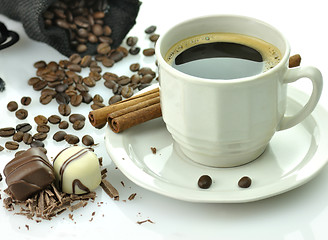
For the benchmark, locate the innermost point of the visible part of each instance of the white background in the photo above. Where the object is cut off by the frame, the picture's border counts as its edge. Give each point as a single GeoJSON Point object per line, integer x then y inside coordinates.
{"type": "Point", "coordinates": [299, 214]}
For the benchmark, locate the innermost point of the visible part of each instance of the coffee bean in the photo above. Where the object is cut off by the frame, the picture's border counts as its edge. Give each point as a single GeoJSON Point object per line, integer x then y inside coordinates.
{"type": "Point", "coordinates": [27, 138]}
{"type": "Point", "coordinates": [154, 37]}
{"type": "Point", "coordinates": [12, 106]}
{"type": "Point", "coordinates": [54, 119]}
{"type": "Point", "coordinates": [63, 125]}
{"type": "Point", "coordinates": [26, 101]}
{"type": "Point", "coordinates": [43, 128]}
{"type": "Point", "coordinates": [75, 58]}
{"type": "Point", "coordinates": [18, 136]}
{"type": "Point", "coordinates": [62, 98]}
{"type": "Point", "coordinates": [123, 80]}
{"type": "Point", "coordinates": [39, 85]}
{"type": "Point", "coordinates": [150, 29]}
{"type": "Point", "coordinates": [61, 88]}
{"type": "Point", "coordinates": [87, 140]}
{"type": "Point", "coordinates": [37, 143]}
{"type": "Point", "coordinates": [134, 50]}
{"type": "Point", "coordinates": [107, 30]}
{"type": "Point", "coordinates": [48, 91]}
{"type": "Point", "coordinates": [245, 182]}
{"type": "Point", "coordinates": [98, 98]}
{"type": "Point", "coordinates": [82, 88]}
{"type": "Point", "coordinates": [116, 56]}
{"type": "Point", "coordinates": [110, 84]}
{"type": "Point", "coordinates": [11, 145]}
{"type": "Point", "coordinates": [97, 30]}
{"type": "Point", "coordinates": [23, 127]}
{"type": "Point", "coordinates": [146, 70]}
{"type": "Point", "coordinates": [7, 132]}
{"type": "Point", "coordinates": [81, 48]}
{"type": "Point", "coordinates": [40, 64]}
{"type": "Point", "coordinates": [76, 100]}
{"type": "Point", "coordinates": [45, 99]}
{"type": "Point", "coordinates": [146, 78]}
{"type": "Point", "coordinates": [97, 105]}
{"type": "Point", "coordinates": [114, 99]}
{"type": "Point", "coordinates": [131, 41]}
{"type": "Point", "coordinates": [148, 52]}
{"type": "Point", "coordinates": [127, 91]}
{"type": "Point", "coordinates": [103, 48]}
{"type": "Point", "coordinates": [95, 69]}
{"type": "Point", "coordinates": [71, 139]}
{"type": "Point", "coordinates": [33, 80]}
{"type": "Point", "coordinates": [64, 109]}
{"type": "Point", "coordinates": [74, 67]}
{"type": "Point", "coordinates": [142, 86]}
{"type": "Point", "coordinates": [135, 78]}
{"type": "Point", "coordinates": [86, 97]}
{"type": "Point", "coordinates": [1, 148]}
{"type": "Point", "coordinates": [86, 60]}
{"type": "Point", "coordinates": [108, 62]}
{"type": "Point", "coordinates": [40, 136]}
{"type": "Point", "coordinates": [204, 181]}
{"type": "Point", "coordinates": [59, 136]}
{"type": "Point", "coordinates": [90, 82]}
{"type": "Point", "coordinates": [110, 76]}
{"type": "Point", "coordinates": [78, 125]}
{"type": "Point", "coordinates": [134, 67]}
{"type": "Point", "coordinates": [76, 116]}
{"type": "Point", "coordinates": [21, 114]}
{"type": "Point", "coordinates": [40, 120]}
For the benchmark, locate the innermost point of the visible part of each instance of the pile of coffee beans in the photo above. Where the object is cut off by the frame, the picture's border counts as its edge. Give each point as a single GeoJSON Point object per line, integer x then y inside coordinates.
{"type": "Point", "coordinates": [83, 21]}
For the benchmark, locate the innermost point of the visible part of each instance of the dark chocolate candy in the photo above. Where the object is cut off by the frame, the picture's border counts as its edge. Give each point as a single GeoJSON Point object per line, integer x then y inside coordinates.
{"type": "Point", "coordinates": [28, 173]}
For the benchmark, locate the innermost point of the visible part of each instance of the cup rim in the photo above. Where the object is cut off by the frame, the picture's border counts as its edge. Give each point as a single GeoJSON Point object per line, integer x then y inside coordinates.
{"type": "Point", "coordinates": [163, 64]}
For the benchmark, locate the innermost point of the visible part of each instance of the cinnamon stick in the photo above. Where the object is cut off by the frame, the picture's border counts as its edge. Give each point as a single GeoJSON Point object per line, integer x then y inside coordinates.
{"type": "Point", "coordinates": [98, 118]}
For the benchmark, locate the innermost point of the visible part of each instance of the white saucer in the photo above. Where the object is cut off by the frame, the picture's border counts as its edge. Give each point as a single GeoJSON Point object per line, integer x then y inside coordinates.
{"type": "Point", "coordinates": [292, 158]}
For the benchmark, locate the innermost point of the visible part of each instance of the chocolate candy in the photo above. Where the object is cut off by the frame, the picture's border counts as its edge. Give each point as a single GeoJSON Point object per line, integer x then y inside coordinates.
{"type": "Point", "coordinates": [28, 173]}
{"type": "Point", "coordinates": [77, 170]}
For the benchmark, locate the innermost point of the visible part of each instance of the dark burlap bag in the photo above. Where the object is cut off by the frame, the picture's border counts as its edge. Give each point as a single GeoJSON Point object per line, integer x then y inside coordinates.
{"type": "Point", "coordinates": [120, 16]}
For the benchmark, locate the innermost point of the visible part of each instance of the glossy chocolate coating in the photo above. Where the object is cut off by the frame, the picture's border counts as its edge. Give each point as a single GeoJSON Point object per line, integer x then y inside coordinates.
{"type": "Point", "coordinates": [77, 170]}
{"type": "Point", "coordinates": [28, 173]}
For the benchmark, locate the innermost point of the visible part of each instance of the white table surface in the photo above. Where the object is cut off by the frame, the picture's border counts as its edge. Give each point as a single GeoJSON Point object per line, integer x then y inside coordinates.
{"type": "Point", "coordinates": [299, 214]}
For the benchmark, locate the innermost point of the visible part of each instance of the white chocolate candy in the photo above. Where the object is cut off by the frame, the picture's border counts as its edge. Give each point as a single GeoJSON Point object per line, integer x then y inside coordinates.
{"type": "Point", "coordinates": [77, 170]}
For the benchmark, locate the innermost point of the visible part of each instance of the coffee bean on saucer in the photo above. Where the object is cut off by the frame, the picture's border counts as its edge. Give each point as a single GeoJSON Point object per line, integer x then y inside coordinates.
{"type": "Point", "coordinates": [204, 181]}
{"type": "Point", "coordinates": [11, 145]}
{"type": "Point", "coordinates": [245, 182]}
{"type": "Point", "coordinates": [150, 29]}
{"type": "Point", "coordinates": [148, 52]}
{"type": "Point", "coordinates": [12, 106]}
{"type": "Point", "coordinates": [26, 101]}
{"type": "Point", "coordinates": [21, 114]}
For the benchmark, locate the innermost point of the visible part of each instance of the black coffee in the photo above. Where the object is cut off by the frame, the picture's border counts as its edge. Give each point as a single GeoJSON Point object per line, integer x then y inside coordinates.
{"type": "Point", "coordinates": [223, 56]}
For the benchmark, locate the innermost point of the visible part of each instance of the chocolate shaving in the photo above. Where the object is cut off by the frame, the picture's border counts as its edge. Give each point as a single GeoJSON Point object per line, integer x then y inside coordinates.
{"type": "Point", "coordinates": [144, 221]}
{"type": "Point", "coordinates": [109, 189]}
{"type": "Point", "coordinates": [132, 196]}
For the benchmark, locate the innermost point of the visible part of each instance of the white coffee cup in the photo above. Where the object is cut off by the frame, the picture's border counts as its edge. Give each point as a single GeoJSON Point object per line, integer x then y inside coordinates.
{"type": "Point", "coordinates": [226, 123]}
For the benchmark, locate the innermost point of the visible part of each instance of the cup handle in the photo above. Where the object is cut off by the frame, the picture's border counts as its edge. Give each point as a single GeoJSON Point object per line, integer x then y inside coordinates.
{"type": "Point", "coordinates": [294, 74]}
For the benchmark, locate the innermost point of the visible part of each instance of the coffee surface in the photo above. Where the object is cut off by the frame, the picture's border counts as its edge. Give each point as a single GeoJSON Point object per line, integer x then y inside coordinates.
{"type": "Point", "coordinates": [223, 56]}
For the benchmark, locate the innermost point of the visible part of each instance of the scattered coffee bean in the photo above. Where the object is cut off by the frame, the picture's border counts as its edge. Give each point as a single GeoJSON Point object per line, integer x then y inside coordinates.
{"type": "Point", "coordinates": [45, 99]}
{"type": "Point", "coordinates": [21, 114]}
{"type": "Point", "coordinates": [12, 106]}
{"type": "Point", "coordinates": [154, 37]}
{"type": "Point", "coordinates": [86, 60]}
{"type": "Point", "coordinates": [76, 116]}
{"type": "Point", "coordinates": [87, 140]}
{"type": "Point", "coordinates": [40, 64]}
{"type": "Point", "coordinates": [131, 41]}
{"type": "Point", "coordinates": [37, 143]}
{"type": "Point", "coordinates": [114, 99]}
{"type": "Point", "coordinates": [98, 98]}
{"type": "Point", "coordinates": [204, 181]}
{"type": "Point", "coordinates": [26, 101]}
{"type": "Point", "coordinates": [148, 52]}
{"type": "Point", "coordinates": [27, 138]}
{"type": "Point", "coordinates": [134, 67]}
{"type": "Point", "coordinates": [150, 29]}
{"type": "Point", "coordinates": [64, 109]}
{"type": "Point", "coordinates": [54, 119]}
{"type": "Point", "coordinates": [11, 145]}
{"type": "Point", "coordinates": [18, 136]}
{"type": "Point", "coordinates": [59, 136]}
{"type": "Point", "coordinates": [63, 125]}
{"type": "Point", "coordinates": [78, 125]}
{"type": "Point", "coordinates": [72, 139]}
{"type": "Point", "coordinates": [62, 98]}
{"type": "Point", "coordinates": [134, 50]}
{"type": "Point", "coordinates": [245, 182]}
{"type": "Point", "coordinates": [33, 80]}
{"type": "Point", "coordinates": [7, 132]}
{"type": "Point", "coordinates": [1, 148]}
{"type": "Point", "coordinates": [43, 128]}
{"type": "Point", "coordinates": [146, 78]}
{"type": "Point", "coordinates": [61, 87]}
{"type": "Point", "coordinates": [108, 62]}
{"type": "Point", "coordinates": [40, 120]}
{"type": "Point", "coordinates": [76, 100]}
{"type": "Point", "coordinates": [23, 127]}
{"type": "Point", "coordinates": [40, 136]}
{"type": "Point", "coordinates": [97, 105]}
{"type": "Point", "coordinates": [86, 97]}
{"type": "Point", "coordinates": [127, 91]}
